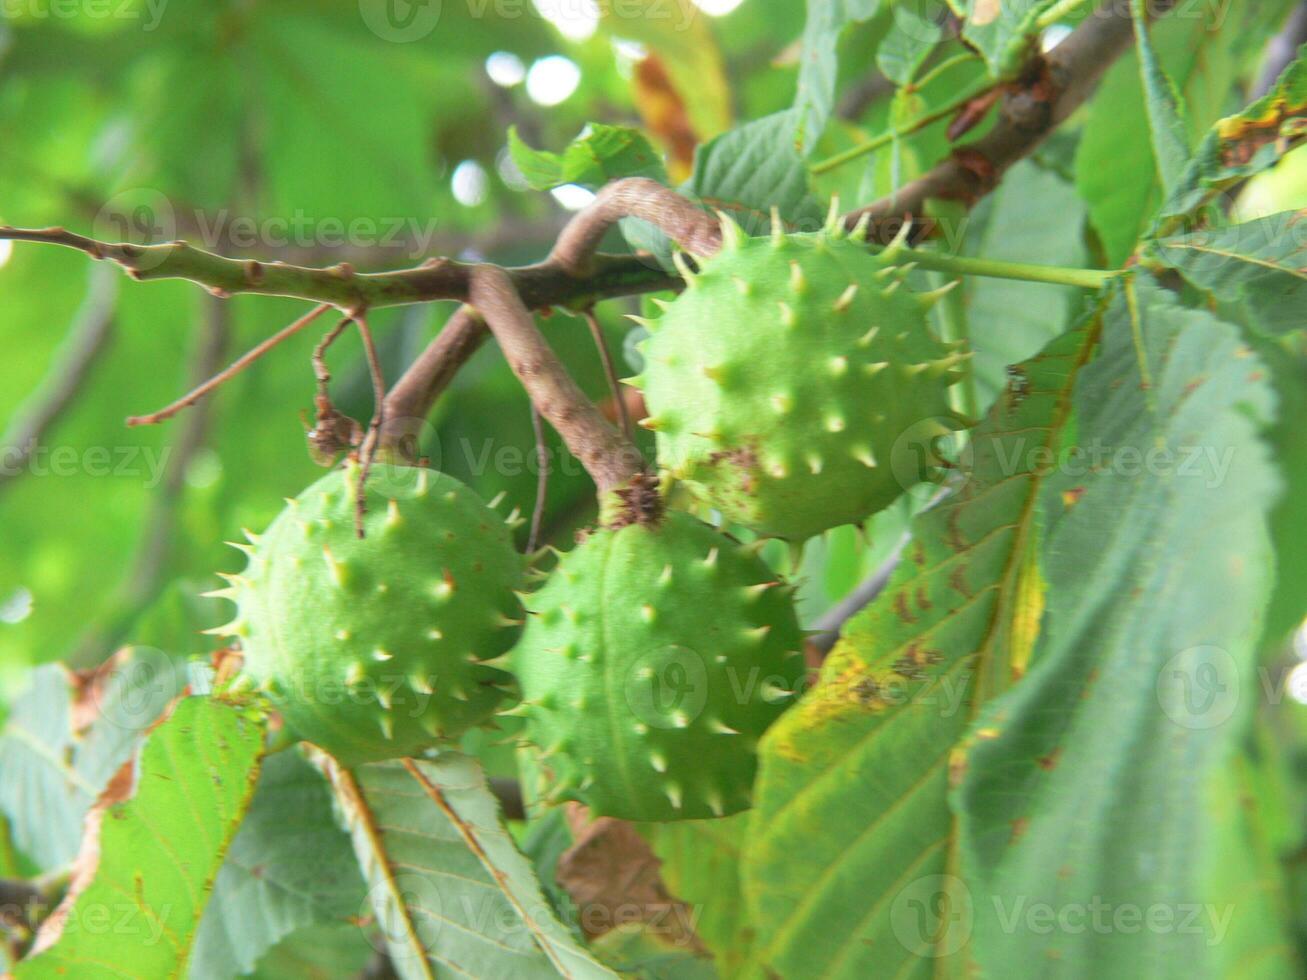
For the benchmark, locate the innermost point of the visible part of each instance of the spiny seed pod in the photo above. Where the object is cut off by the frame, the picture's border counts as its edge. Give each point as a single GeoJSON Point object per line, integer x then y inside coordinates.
{"type": "Point", "coordinates": [373, 647]}
{"type": "Point", "coordinates": [795, 384]}
{"type": "Point", "coordinates": [654, 659]}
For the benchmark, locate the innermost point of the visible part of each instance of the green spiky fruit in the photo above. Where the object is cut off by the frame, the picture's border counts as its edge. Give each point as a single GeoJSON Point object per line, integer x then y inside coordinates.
{"type": "Point", "coordinates": [373, 647]}
{"type": "Point", "coordinates": [795, 384]}
{"type": "Point", "coordinates": [654, 658]}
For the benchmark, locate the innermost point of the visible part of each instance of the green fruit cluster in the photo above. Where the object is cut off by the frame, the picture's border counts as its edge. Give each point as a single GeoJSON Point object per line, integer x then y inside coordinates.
{"type": "Point", "coordinates": [375, 647]}
{"type": "Point", "coordinates": [795, 384]}
{"type": "Point", "coordinates": [653, 659]}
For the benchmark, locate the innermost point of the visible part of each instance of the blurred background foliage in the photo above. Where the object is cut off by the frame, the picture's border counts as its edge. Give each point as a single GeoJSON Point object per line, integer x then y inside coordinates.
{"type": "Point", "coordinates": [303, 131]}
{"type": "Point", "coordinates": [318, 131]}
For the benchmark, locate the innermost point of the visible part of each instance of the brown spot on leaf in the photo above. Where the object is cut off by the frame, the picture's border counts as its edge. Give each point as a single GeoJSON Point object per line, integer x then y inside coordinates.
{"type": "Point", "coordinates": [1241, 138]}
{"type": "Point", "coordinates": [1072, 496]}
{"type": "Point", "coordinates": [1049, 762]}
{"type": "Point", "coordinates": [901, 607]}
{"type": "Point", "coordinates": [957, 579]}
{"type": "Point", "coordinates": [1019, 826]}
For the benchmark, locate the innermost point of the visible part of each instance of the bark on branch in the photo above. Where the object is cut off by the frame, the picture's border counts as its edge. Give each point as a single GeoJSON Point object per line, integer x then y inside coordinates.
{"type": "Point", "coordinates": [608, 456]}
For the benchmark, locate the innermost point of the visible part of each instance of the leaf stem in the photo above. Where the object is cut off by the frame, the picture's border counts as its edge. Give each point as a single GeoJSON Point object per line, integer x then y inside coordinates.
{"type": "Point", "coordinates": [1057, 12]}
{"type": "Point", "coordinates": [890, 135]}
{"type": "Point", "coordinates": [958, 59]}
{"type": "Point", "coordinates": [960, 265]}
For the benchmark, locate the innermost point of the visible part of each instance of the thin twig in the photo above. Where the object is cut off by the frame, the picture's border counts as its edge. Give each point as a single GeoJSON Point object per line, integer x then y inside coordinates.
{"type": "Point", "coordinates": [320, 370]}
{"type": "Point", "coordinates": [542, 480]}
{"type": "Point", "coordinates": [370, 444]}
{"type": "Point", "coordinates": [92, 327]}
{"type": "Point", "coordinates": [235, 368]}
{"type": "Point", "coordinates": [610, 372]}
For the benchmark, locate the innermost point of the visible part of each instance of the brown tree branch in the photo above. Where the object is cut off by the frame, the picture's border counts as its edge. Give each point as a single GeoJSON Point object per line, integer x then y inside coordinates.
{"type": "Point", "coordinates": [1053, 87]}
{"type": "Point", "coordinates": [410, 400]}
{"type": "Point", "coordinates": [608, 456]}
{"type": "Point", "coordinates": [693, 229]}
{"type": "Point", "coordinates": [610, 373]}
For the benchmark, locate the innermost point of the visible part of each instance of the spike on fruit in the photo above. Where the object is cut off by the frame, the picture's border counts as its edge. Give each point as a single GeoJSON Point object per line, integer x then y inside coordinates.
{"type": "Point", "coordinates": [683, 267]}
{"type": "Point", "coordinates": [777, 228]}
{"type": "Point", "coordinates": [834, 228]}
{"type": "Point", "coordinates": [732, 233]}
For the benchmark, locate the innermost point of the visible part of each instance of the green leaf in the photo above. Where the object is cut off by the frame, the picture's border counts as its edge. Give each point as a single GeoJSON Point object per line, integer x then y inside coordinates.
{"type": "Point", "coordinates": [599, 154]}
{"type": "Point", "coordinates": [911, 37]}
{"type": "Point", "coordinates": [815, 97]}
{"type": "Point", "coordinates": [1241, 145]}
{"type": "Point", "coordinates": [850, 804]}
{"type": "Point", "coordinates": [340, 952]}
{"type": "Point", "coordinates": [290, 866]}
{"type": "Point", "coordinates": [1004, 32]}
{"type": "Point", "coordinates": [1248, 864]}
{"type": "Point", "coordinates": [448, 887]}
{"type": "Point", "coordinates": [1286, 359]}
{"type": "Point", "coordinates": [637, 951]}
{"type": "Point", "coordinates": [753, 168]}
{"type": "Point", "coordinates": [1262, 263]}
{"type": "Point", "coordinates": [159, 850]}
{"type": "Point", "coordinates": [1086, 787]}
{"type": "Point", "coordinates": [1165, 105]}
{"type": "Point", "coordinates": [701, 867]}
{"type": "Point", "coordinates": [66, 736]}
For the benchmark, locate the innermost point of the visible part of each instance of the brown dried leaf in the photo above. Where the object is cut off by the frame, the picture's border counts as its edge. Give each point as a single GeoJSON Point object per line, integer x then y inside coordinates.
{"type": "Point", "coordinates": [613, 876]}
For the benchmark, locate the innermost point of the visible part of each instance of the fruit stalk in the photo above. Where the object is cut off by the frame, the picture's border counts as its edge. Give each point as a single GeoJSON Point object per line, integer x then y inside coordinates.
{"type": "Point", "coordinates": [609, 457]}
{"type": "Point", "coordinates": [959, 265]}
